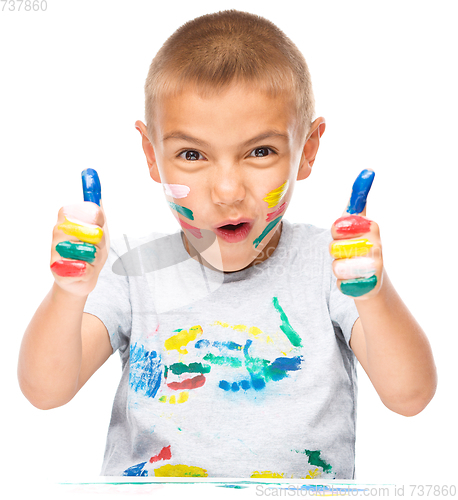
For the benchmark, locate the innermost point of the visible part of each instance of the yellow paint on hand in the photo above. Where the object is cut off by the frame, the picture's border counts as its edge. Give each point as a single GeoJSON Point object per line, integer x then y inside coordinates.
{"type": "Point", "coordinates": [275, 196]}
{"type": "Point", "coordinates": [172, 400]}
{"type": "Point", "coordinates": [182, 338]}
{"type": "Point", "coordinates": [88, 233]}
{"type": "Point", "coordinates": [267, 474]}
{"type": "Point", "coordinates": [180, 470]}
{"type": "Point", "coordinates": [346, 249]}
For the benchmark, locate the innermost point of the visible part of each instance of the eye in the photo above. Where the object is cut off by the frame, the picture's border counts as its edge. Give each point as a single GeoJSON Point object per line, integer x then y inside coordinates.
{"type": "Point", "coordinates": [191, 155]}
{"type": "Point", "coordinates": [263, 151]}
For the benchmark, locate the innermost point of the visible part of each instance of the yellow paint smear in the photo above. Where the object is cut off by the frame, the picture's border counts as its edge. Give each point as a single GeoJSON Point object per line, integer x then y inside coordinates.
{"type": "Point", "coordinates": [88, 234]}
{"type": "Point", "coordinates": [267, 474]}
{"type": "Point", "coordinates": [346, 249]}
{"type": "Point", "coordinates": [182, 338]}
{"type": "Point", "coordinates": [274, 197]}
{"type": "Point", "coordinates": [254, 330]}
{"type": "Point", "coordinates": [180, 471]}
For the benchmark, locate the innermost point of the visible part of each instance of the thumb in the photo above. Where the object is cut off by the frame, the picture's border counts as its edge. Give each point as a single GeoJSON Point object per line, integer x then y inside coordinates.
{"type": "Point", "coordinates": [92, 190]}
{"type": "Point", "coordinates": [361, 188]}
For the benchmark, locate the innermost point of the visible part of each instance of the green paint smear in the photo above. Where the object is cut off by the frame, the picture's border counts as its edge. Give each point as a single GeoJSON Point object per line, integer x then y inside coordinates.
{"type": "Point", "coordinates": [78, 251]}
{"type": "Point", "coordinates": [222, 360]}
{"type": "Point", "coordinates": [266, 231]}
{"type": "Point", "coordinates": [285, 327]}
{"type": "Point", "coordinates": [314, 459]}
{"type": "Point", "coordinates": [179, 368]}
{"type": "Point", "coordinates": [261, 368]}
{"type": "Point", "coordinates": [359, 286]}
{"type": "Point", "coordinates": [182, 210]}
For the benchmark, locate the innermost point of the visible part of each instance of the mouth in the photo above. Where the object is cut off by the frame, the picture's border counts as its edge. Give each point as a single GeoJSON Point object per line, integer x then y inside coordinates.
{"type": "Point", "coordinates": [234, 231]}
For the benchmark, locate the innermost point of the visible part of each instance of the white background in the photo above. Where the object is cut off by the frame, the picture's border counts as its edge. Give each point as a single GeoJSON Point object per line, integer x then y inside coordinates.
{"type": "Point", "coordinates": [384, 77]}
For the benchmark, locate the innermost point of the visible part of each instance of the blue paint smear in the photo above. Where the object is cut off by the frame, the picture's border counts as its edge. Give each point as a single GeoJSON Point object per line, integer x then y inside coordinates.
{"type": "Point", "coordinates": [136, 470]}
{"type": "Point", "coordinates": [245, 385]}
{"type": "Point", "coordinates": [257, 383]}
{"type": "Point", "coordinates": [202, 343]}
{"type": "Point", "coordinates": [145, 371]}
{"type": "Point", "coordinates": [287, 363]}
{"type": "Point", "coordinates": [234, 387]}
{"type": "Point", "coordinates": [232, 346]}
{"type": "Point", "coordinates": [361, 188]}
{"type": "Point", "coordinates": [92, 190]}
{"type": "Point", "coordinates": [224, 384]}
{"type": "Point", "coordinates": [247, 346]}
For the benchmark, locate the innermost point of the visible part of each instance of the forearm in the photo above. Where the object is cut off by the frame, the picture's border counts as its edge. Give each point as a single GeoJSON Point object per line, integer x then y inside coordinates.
{"type": "Point", "coordinates": [51, 350]}
{"type": "Point", "coordinates": [399, 359]}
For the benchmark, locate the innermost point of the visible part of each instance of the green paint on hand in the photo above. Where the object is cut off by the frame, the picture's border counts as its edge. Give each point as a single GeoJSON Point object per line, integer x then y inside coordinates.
{"type": "Point", "coordinates": [266, 231]}
{"type": "Point", "coordinates": [182, 210]}
{"type": "Point", "coordinates": [359, 286]}
{"type": "Point", "coordinates": [77, 251]}
{"type": "Point", "coordinates": [285, 327]}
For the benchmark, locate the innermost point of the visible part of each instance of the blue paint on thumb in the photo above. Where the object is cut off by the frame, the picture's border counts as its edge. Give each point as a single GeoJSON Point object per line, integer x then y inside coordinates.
{"type": "Point", "coordinates": [361, 188]}
{"type": "Point", "coordinates": [92, 190]}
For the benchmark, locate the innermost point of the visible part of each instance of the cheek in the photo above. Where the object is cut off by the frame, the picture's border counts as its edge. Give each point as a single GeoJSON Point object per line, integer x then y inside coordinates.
{"type": "Point", "coordinates": [176, 190]}
{"type": "Point", "coordinates": [276, 201]}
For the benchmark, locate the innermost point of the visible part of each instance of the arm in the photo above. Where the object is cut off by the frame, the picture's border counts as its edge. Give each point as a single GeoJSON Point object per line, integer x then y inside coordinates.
{"type": "Point", "coordinates": [394, 352]}
{"type": "Point", "coordinates": [388, 342]}
{"type": "Point", "coordinates": [61, 349]}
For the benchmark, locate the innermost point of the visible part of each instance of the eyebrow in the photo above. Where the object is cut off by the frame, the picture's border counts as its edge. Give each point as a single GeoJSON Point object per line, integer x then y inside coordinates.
{"type": "Point", "coordinates": [260, 137]}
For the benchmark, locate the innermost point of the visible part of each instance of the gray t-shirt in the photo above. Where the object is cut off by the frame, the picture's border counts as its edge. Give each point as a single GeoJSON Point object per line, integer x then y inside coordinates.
{"type": "Point", "coordinates": [231, 375]}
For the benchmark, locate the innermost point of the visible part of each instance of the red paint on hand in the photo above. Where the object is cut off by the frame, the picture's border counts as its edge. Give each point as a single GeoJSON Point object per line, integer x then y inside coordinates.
{"type": "Point", "coordinates": [69, 268]}
{"type": "Point", "coordinates": [190, 383]}
{"type": "Point", "coordinates": [164, 454]}
{"type": "Point", "coordinates": [351, 225]}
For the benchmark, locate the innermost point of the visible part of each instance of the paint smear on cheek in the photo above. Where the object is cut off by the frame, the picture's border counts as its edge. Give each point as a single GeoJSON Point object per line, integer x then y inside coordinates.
{"type": "Point", "coordinates": [195, 231]}
{"type": "Point", "coordinates": [277, 212]}
{"type": "Point", "coordinates": [186, 212]}
{"type": "Point", "coordinates": [274, 197]}
{"type": "Point", "coordinates": [176, 190]}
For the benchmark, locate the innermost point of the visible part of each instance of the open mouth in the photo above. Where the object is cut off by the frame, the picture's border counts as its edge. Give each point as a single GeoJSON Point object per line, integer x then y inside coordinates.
{"type": "Point", "coordinates": [233, 233]}
{"type": "Point", "coordinates": [232, 227]}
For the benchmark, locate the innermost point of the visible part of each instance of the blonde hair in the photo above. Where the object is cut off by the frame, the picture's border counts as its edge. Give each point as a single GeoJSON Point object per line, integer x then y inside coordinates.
{"type": "Point", "coordinates": [213, 51]}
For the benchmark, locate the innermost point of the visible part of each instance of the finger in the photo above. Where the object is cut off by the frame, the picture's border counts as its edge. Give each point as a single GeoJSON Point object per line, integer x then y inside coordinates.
{"type": "Point", "coordinates": [92, 189]}
{"type": "Point", "coordinates": [346, 249]}
{"type": "Point", "coordinates": [357, 287]}
{"type": "Point", "coordinates": [357, 267]}
{"type": "Point", "coordinates": [361, 188]}
{"type": "Point", "coordinates": [80, 218]}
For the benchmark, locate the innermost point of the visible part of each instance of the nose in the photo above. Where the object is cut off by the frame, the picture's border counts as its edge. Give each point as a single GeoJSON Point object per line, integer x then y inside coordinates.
{"type": "Point", "coordinates": [228, 187]}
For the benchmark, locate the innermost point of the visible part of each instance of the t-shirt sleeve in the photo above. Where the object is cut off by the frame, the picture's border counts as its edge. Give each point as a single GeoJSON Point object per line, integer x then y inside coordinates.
{"type": "Point", "coordinates": [110, 302]}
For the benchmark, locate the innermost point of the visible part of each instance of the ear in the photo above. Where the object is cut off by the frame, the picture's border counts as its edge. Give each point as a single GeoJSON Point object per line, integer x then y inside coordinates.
{"type": "Point", "coordinates": [310, 149]}
{"type": "Point", "coordinates": [149, 151]}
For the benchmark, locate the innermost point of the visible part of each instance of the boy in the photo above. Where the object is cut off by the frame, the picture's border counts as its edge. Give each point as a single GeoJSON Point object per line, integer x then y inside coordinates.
{"type": "Point", "coordinates": [237, 344]}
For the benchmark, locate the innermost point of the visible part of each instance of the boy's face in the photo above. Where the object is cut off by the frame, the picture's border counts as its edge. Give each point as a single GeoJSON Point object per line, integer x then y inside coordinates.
{"type": "Point", "coordinates": [234, 156]}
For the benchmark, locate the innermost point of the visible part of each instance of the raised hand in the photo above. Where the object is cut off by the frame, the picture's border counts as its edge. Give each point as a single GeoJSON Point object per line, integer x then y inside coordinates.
{"type": "Point", "coordinates": [357, 247]}
{"type": "Point", "coordinates": [80, 240]}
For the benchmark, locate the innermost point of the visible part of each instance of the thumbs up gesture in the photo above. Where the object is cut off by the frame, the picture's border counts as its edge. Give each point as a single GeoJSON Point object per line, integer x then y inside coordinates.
{"type": "Point", "coordinates": [80, 240]}
{"type": "Point", "coordinates": [357, 247]}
